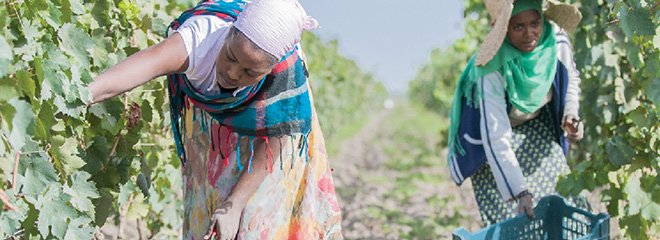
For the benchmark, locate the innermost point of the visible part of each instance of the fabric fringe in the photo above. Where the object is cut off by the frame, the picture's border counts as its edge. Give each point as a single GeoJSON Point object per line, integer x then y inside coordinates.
{"type": "Point", "coordinates": [217, 143]}
{"type": "Point", "coordinates": [238, 154]}
{"type": "Point", "coordinates": [226, 142]}
{"type": "Point", "coordinates": [250, 140]}
{"type": "Point", "coordinates": [281, 154]}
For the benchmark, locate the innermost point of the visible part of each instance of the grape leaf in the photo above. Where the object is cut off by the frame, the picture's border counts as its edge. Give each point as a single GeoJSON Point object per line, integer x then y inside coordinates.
{"type": "Point", "coordinates": [125, 191]}
{"type": "Point", "coordinates": [636, 21]}
{"type": "Point", "coordinates": [23, 123]}
{"type": "Point", "coordinates": [66, 151]}
{"type": "Point", "coordinates": [137, 208]}
{"type": "Point", "coordinates": [52, 16]}
{"type": "Point", "coordinates": [619, 152]}
{"type": "Point", "coordinates": [38, 173]}
{"type": "Point", "coordinates": [653, 90]}
{"type": "Point", "coordinates": [656, 38]}
{"type": "Point", "coordinates": [77, 6]}
{"type": "Point", "coordinates": [6, 56]}
{"type": "Point", "coordinates": [79, 228]}
{"type": "Point", "coordinates": [640, 202]}
{"type": "Point", "coordinates": [71, 109]}
{"type": "Point", "coordinates": [75, 42]}
{"type": "Point", "coordinates": [7, 91]}
{"type": "Point", "coordinates": [10, 221]}
{"type": "Point", "coordinates": [45, 121]}
{"type": "Point", "coordinates": [100, 12]}
{"type": "Point", "coordinates": [81, 192]}
{"type": "Point", "coordinates": [54, 212]}
{"type": "Point", "coordinates": [639, 117]}
{"type": "Point", "coordinates": [103, 206]}
{"type": "Point", "coordinates": [26, 83]}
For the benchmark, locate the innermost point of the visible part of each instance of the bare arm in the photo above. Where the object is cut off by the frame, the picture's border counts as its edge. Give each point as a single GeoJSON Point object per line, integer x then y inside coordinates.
{"type": "Point", "coordinates": [168, 56]}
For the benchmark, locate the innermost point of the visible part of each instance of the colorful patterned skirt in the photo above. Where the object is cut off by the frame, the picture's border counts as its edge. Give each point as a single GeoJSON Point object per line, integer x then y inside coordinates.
{"type": "Point", "coordinates": [296, 201]}
{"type": "Point", "coordinates": [541, 160]}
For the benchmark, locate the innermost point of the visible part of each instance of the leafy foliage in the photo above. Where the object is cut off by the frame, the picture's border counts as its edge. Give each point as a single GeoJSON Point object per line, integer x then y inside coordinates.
{"type": "Point", "coordinates": [65, 167]}
{"type": "Point", "coordinates": [617, 51]}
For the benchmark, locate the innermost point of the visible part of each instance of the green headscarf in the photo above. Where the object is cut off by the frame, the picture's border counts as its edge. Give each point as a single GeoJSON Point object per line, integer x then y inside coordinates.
{"type": "Point", "coordinates": [528, 76]}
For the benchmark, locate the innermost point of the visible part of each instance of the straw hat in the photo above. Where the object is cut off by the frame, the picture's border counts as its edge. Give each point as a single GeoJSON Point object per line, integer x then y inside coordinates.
{"type": "Point", "coordinates": [565, 15]}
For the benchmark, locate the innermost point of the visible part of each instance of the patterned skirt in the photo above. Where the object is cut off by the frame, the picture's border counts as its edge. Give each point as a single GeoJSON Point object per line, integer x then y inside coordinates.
{"type": "Point", "coordinates": [541, 160]}
{"type": "Point", "coordinates": [296, 201]}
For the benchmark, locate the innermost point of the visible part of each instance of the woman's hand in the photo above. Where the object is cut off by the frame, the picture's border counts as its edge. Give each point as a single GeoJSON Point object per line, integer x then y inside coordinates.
{"type": "Point", "coordinates": [225, 221]}
{"type": "Point", "coordinates": [574, 128]}
{"type": "Point", "coordinates": [526, 205]}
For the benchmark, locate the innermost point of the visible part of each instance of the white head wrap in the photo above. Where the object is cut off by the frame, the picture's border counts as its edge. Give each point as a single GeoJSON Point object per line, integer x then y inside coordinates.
{"type": "Point", "coordinates": [274, 25]}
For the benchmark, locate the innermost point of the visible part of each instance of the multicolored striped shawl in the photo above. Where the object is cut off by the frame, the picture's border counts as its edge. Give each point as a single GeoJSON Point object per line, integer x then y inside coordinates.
{"type": "Point", "coordinates": [278, 105]}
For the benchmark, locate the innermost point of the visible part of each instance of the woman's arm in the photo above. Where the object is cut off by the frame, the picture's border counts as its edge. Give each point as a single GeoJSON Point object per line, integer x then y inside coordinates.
{"type": "Point", "coordinates": [571, 124]}
{"type": "Point", "coordinates": [226, 218]}
{"type": "Point", "coordinates": [565, 56]}
{"type": "Point", "coordinates": [497, 136]}
{"type": "Point", "coordinates": [168, 56]}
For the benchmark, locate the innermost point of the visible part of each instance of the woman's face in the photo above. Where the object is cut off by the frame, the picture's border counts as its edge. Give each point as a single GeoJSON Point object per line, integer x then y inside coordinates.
{"type": "Point", "coordinates": [524, 31]}
{"type": "Point", "coordinates": [241, 63]}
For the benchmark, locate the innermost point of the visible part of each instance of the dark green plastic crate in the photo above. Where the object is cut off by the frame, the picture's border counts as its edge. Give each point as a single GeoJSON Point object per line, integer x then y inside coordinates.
{"type": "Point", "coordinates": [555, 219]}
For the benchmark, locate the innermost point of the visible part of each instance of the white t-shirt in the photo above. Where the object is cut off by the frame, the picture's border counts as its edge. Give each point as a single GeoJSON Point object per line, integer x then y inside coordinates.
{"type": "Point", "coordinates": [203, 36]}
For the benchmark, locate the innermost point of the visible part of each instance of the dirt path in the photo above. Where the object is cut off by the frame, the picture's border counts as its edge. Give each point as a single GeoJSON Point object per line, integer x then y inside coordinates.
{"type": "Point", "coordinates": [393, 181]}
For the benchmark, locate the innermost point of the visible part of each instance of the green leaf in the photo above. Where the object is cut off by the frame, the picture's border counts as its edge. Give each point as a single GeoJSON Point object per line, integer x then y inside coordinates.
{"type": "Point", "coordinates": [38, 4]}
{"type": "Point", "coordinates": [636, 21]}
{"type": "Point", "coordinates": [619, 152]}
{"type": "Point", "coordinates": [38, 173]}
{"type": "Point", "coordinates": [32, 32]}
{"type": "Point", "coordinates": [639, 117]}
{"type": "Point", "coordinates": [96, 155]}
{"type": "Point", "coordinates": [77, 6]}
{"type": "Point", "coordinates": [653, 90]}
{"type": "Point", "coordinates": [56, 82]}
{"type": "Point", "coordinates": [103, 206]}
{"type": "Point", "coordinates": [634, 55]}
{"type": "Point", "coordinates": [100, 12]}
{"type": "Point", "coordinates": [137, 208]}
{"type": "Point", "coordinates": [23, 123]}
{"type": "Point", "coordinates": [52, 16]}
{"type": "Point", "coordinates": [7, 91]}
{"type": "Point", "coordinates": [10, 221]}
{"type": "Point", "coordinates": [55, 213]}
{"type": "Point", "coordinates": [45, 121]}
{"type": "Point", "coordinates": [656, 38]}
{"type": "Point", "coordinates": [146, 23]}
{"type": "Point", "coordinates": [67, 152]}
{"type": "Point", "coordinates": [79, 228]}
{"type": "Point", "coordinates": [71, 109]}
{"type": "Point", "coordinates": [128, 9]}
{"type": "Point", "coordinates": [639, 201]}
{"type": "Point", "coordinates": [81, 192]}
{"type": "Point", "coordinates": [26, 83]}
{"type": "Point", "coordinates": [75, 42]}
{"type": "Point", "coordinates": [125, 191]}
{"type": "Point", "coordinates": [6, 56]}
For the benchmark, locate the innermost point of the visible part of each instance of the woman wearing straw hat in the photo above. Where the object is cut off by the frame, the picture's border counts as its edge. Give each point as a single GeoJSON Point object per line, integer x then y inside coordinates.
{"type": "Point", "coordinates": [254, 162]}
{"type": "Point", "coordinates": [516, 107]}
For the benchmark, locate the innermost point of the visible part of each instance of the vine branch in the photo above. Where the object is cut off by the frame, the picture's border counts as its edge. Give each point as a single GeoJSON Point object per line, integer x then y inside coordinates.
{"type": "Point", "coordinates": [5, 200]}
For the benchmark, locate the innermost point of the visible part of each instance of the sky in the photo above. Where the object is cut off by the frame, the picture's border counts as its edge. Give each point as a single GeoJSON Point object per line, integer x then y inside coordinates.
{"type": "Point", "coordinates": [389, 38]}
